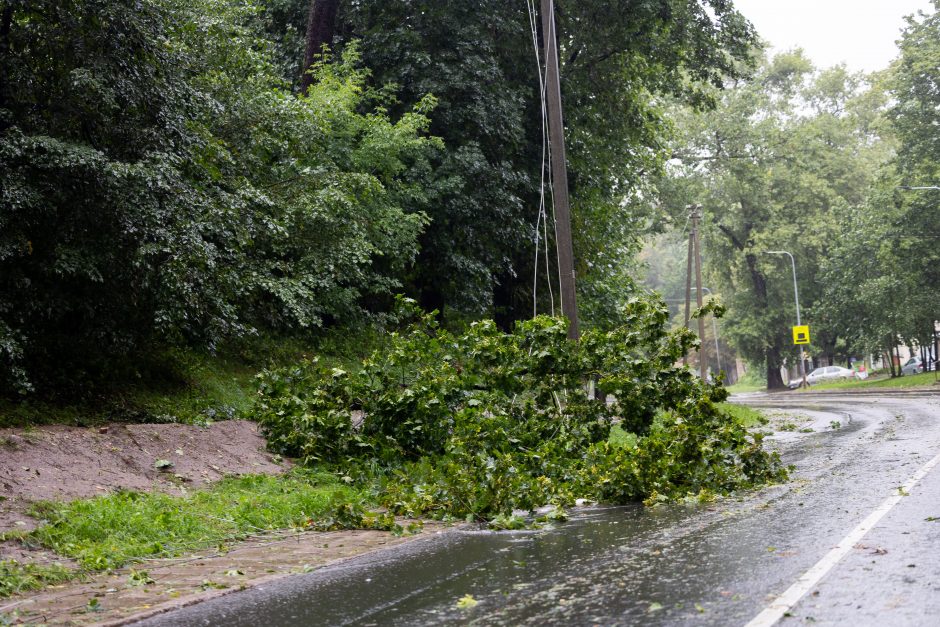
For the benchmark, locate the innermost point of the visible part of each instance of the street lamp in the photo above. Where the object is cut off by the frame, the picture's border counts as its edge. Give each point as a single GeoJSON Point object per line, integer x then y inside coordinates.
{"type": "Point", "coordinates": [918, 187]}
{"type": "Point", "coordinates": [796, 296]}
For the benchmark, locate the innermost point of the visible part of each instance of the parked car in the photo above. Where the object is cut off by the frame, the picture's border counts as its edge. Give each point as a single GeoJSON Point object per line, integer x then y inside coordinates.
{"type": "Point", "coordinates": [829, 373]}
{"type": "Point", "coordinates": [914, 365]}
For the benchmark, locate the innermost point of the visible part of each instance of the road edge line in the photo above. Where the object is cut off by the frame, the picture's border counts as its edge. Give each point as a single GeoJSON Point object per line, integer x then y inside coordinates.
{"type": "Point", "coordinates": [785, 602]}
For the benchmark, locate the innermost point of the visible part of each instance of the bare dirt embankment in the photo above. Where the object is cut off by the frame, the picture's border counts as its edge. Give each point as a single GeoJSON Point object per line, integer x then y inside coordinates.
{"type": "Point", "coordinates": [64, 463]}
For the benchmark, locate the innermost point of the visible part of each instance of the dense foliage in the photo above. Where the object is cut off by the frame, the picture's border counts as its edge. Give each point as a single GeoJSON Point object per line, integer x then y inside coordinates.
{"type": "Point", "coordinates": [159, 182]}
{"type": "Point", "coordinates": [478, 58]}
{"type": "Point", "coordinates": [484, 422]}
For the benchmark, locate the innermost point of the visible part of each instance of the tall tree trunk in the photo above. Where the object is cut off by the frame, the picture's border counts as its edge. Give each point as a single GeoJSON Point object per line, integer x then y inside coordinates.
{"type": "Point", "coordinates": [759, 283]}
{"type": "Point", "coordinates": [888, 357]}
{"type": "Point", "coordinates": [774, 379]}
{"type": "Point", "coordinates": [504, 302]}
{"type": "Point", "coordinates": [897, 352]}
{"type": "Point", "coordinates": [6, 21]}
{"type": "Point", "coordinates": [321, 25]}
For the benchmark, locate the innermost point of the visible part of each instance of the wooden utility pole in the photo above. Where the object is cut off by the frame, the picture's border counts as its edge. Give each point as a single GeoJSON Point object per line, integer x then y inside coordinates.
{"type": "Point", "coordinates": [696, 215]}
{"type": "Point", "coordinates": [556, 132]}
{"type": "Point", "coordinates": [695, 257]}
{"type": "Point", "coordinates": [688, 292]}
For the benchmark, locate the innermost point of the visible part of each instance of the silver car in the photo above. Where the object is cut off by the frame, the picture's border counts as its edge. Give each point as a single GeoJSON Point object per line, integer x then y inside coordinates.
{"type": "Point", "coordinates": [914, 365]}
{"type": "Point", "coordinates": [829, 373]}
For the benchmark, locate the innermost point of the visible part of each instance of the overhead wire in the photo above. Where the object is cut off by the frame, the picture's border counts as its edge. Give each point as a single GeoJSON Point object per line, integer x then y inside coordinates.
{"type": "Point", "coordinates": [550, 36]}
{"type": "Point", "coordinates": [541, 221]}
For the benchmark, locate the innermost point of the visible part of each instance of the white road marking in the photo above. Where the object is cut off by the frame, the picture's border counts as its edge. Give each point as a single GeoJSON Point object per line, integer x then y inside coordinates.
{"type": "Point", "coordinates": [785, 602]}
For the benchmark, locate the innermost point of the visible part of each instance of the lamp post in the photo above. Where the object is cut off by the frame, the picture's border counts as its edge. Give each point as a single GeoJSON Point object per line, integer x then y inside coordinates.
{"type": "Point", "coordinates": [796, 296]}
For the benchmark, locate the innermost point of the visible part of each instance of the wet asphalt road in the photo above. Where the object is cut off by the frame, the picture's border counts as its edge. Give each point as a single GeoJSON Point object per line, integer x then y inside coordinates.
{"type": "Point", "coordinates": [717, 564]}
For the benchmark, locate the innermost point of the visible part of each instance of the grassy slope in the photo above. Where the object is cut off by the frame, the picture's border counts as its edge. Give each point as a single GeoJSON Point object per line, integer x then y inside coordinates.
{"type": "Point", "coordinates": [747, 416]}
{"type": "Point", "coordinates": [908, 381]}
{"type": "Point", "coordinates": [113, 530]}
{"type": "Point", "coordinates": [753, 381]}
{"type": "Point", "coordinates": [187, 386]}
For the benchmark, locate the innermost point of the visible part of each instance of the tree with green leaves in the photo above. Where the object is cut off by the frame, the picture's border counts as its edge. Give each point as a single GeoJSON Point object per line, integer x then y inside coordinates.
{"type": "Point", "coordinates": [915, 117]}
{"type": "Point", "coordinates": [160, 183]}
{"type": "Point", "coordinates": [483, 195]}
{"type": "Point", "coordinates": [784, 154]}
{"type": "Point", "coordinates": [882, 286]}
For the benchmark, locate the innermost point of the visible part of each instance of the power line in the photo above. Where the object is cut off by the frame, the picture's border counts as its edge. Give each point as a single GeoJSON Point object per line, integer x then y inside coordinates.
{"type": "Point", "coordinates": [542, 216]}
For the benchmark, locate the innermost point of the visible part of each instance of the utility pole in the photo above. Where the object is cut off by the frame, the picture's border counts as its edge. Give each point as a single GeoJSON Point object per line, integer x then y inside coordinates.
{"type": "Point", "coordinates": [556, 133]}
{"type": "Point", "coordinates": [695, 257]}
{"type": "Point", "coordinates": [688, 293]}
{"type": "Point", "coordinates": [696, 216]}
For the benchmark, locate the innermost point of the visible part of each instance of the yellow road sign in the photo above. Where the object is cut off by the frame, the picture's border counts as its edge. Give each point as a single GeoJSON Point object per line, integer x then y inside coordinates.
{"type": "Point", "coordinates": [801, 334]}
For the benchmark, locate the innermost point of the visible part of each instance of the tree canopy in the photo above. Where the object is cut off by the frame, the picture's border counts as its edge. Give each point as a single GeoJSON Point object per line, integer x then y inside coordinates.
{"type": "Point", "coordinates": [479, 61]}
{"type": "Point", "coordinates": [161, 183]}
{"type": "Point", "coordinates": [777, 165]}
{"type": "Point", "coordinates": [824, 164]}
{"type": "Point", "coordinates": [165, 179]}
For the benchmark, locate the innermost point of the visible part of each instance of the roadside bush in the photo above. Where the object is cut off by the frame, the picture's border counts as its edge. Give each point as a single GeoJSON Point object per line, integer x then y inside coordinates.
{"type": "Point", "coordinates": [484, 422]}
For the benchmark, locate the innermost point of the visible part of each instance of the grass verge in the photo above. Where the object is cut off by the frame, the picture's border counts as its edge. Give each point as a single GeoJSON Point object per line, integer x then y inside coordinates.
{"type": "Point", "coordinates": [744, 415]}
{"type": "Point", "coordinates": [16, 577]}
{"type": "Point", "coordinates": [117, 529]}
{"type": "Point", "coordinates": [907, 381]}
{"type": "Point", "coordinates": [753, 381]}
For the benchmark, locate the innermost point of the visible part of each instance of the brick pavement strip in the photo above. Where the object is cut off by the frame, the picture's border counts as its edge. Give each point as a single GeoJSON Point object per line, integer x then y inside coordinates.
{"type": "Point", "coordinates": [179, 582]}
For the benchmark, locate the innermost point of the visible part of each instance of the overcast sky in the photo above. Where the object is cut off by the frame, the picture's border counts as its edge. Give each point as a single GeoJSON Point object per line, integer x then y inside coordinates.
{"type": "Point", "coordinates": [860, 33]}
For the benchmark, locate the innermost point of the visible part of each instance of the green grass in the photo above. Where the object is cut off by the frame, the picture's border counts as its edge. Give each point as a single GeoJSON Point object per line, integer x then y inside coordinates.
{"type": "Point", "coordinates": [746, 416]}
{"type": "Point", "coordinates": [741, 388]}
{"type": "Point", "coordinates": [113, 530]}
{"type": "Point", "coordinates": [753, 381]}
{"type": "Point", "coordinates": [16, 578]}
{"type": "Point", "coordinates": [907, 381]}
{"type": "Point", "coordinates": [188, 386]}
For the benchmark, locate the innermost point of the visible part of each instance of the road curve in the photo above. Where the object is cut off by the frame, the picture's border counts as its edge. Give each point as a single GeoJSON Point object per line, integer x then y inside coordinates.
{"type": "Point", "coordinates": [838, 544]}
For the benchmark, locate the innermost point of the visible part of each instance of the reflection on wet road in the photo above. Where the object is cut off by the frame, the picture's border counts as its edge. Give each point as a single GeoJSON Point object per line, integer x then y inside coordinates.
{"type": "Point", "coordinates": [715, 564]}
